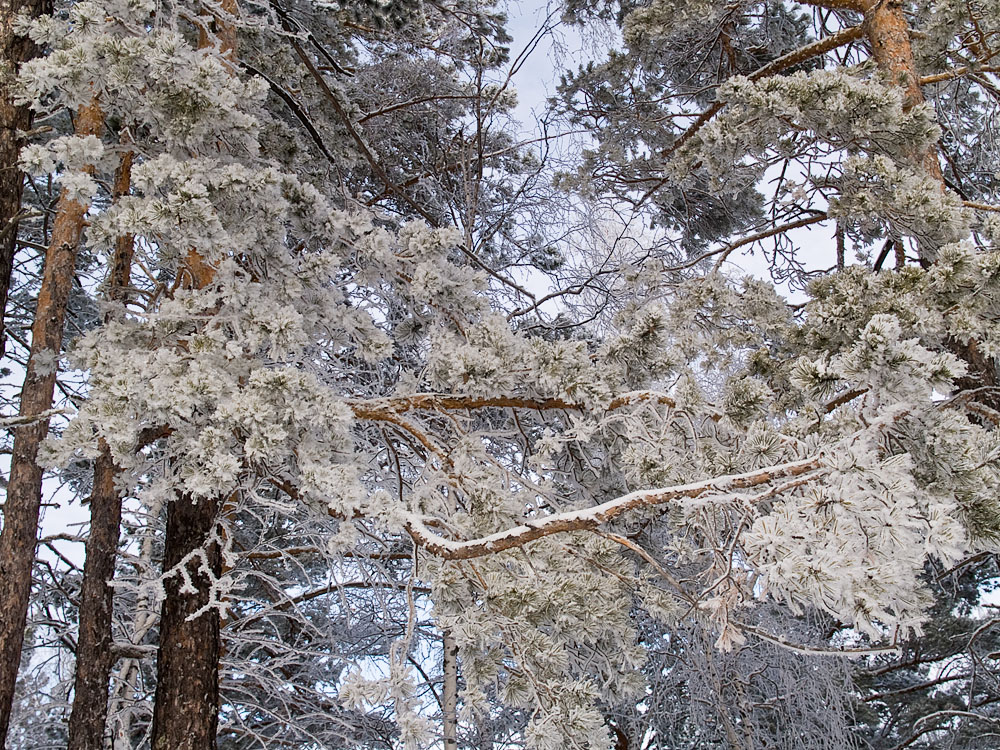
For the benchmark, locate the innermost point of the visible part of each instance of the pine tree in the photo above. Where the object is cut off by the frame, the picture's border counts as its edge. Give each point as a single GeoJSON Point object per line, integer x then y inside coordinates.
{"type": "Point", "coordinates": [15, 48]}
{"type": "Point", "coordinates": [24, 487]}
{"type": "Point", "coordinates": [377, 493]}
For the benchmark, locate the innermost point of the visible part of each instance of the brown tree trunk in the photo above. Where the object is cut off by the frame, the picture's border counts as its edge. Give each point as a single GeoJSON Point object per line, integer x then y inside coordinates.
{"type": "Point", "coordinates": [94, 660]}
{"type": "Point", "coordinates": [186, 706]}
{"type": "Point", "coordinates": [93, 652]}
{"type": "Point", "coordinates": [186, 710]}
{"type": "Point", "coordinates": [222, 28]}
{"type": "Point", "coordinates": [24, 489]}
{"type": "Point", "coordinates": [14, 50]}
{"type": "Point", "coordinates": [120, 275]}
{"type": "Point", "coordinates": [889, 36]}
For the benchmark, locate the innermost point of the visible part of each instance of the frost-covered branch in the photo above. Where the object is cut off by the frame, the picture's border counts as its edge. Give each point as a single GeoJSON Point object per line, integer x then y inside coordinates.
{"type": "Point", "coordinates": [377, 409]}
{"type": "Point", "coordinates": [20, 420]}
{"type": "Point", "coordinates": [588, 519]}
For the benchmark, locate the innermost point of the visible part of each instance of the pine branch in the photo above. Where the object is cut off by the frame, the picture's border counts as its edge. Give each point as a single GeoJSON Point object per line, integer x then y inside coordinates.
{"type": "Point", "coordinates": [588, 519]}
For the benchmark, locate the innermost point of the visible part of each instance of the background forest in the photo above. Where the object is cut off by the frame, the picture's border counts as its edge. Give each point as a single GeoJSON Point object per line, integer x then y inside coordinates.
{"type": "Point", "coordinates": [398, 423]}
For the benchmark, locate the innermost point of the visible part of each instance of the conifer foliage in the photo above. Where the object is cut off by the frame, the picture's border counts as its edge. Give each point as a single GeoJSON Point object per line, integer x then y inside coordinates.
{"type": "Point", "coordinates": [396, 433]}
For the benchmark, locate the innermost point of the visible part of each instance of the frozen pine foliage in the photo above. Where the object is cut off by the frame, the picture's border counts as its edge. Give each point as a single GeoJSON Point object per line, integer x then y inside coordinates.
{"type": "Point", "coordinates": [380, 492]}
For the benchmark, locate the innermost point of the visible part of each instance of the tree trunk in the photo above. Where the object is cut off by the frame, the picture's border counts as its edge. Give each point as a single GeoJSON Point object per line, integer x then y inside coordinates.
{"type": "Point", "coordinates": [449, 698]}
{"type": "Point", "coordinates": [120, 275]}
{"type": "Point", "coordinates": [93, 652]}
{"type": "Point", "coordinates": [94, 660]}
{"type": "Point", "coordinates": [889, 36]}
{"type": "Point", "coordinates": [186, 711]}
{"type": "Point", "coordinates": [222, 29]}
{"type": "Point", "coordinates": [186, 706]}
{"type": "Point", "coordinates": [24, 489]}
{"type": "Point", "coordinates": [14, 50]}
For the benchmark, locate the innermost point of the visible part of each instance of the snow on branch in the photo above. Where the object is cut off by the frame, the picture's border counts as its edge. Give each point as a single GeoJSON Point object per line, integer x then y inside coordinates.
{"type": "Point", "coordinates": [377, 409]}
{"type": "Point", "coordinates": [25, 419]}
{"type": "Point", "coordinates": [588, 519]}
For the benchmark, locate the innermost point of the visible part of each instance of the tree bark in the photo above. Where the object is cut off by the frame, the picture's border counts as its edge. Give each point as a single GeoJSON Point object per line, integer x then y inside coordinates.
{"type": "Point", "coordinates": [222, 28]}
{"type": "Point", "coordinates": [94, 660]}
{"type": "Point", "coordinates": [889, 36]}
{"type": "Point", "coordinates": [120, 275]}
{"type": "Point", "coordinates": [186, 710]}
{"type": "Point", "coordinates": [93, 652]}
{"type": "Point", "coordinates": [14, 50]}
{"type": "Point", "coordinates": [24, 489]}
{"type": "Point", "coordinates": [186, 706]}
{"type": "Point", "coordinates": [449, 698]}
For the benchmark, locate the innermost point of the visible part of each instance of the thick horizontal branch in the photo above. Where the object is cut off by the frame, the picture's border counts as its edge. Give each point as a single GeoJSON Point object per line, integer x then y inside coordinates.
{"type": "Point", "coordinates": [819, 47]}
{"type": "Point", "coordinates": [589, 519]}
{"type": "Point", "coordinates": [378, 409]}
{"type": "Point", "coordinates": [981, 206]}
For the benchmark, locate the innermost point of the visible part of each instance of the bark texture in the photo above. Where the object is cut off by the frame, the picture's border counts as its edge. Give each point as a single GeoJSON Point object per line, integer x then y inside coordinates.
{"type": "Point", "coordinates": [119, 278]}
{"type": "Point", "coordinates": [14, 50]}
{"type": "Point", "coordinates": [449, 699]}
{"type": "Point", "coordinates": [94, 657]}
{"type": "Point", "coordinates": [889, 37]}
{"type": "Point", "coordinates": [24, 489]}
{"type": "Point", "coordinates": [186, 706]}
{"type": "Point", "coordinates": [186, 711]}
{"type": "Point", "coordinates": [218, 28]}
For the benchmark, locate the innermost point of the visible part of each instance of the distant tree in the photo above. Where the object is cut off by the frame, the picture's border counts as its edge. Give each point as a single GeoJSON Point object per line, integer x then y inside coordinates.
{"type": "Point", "coordinates": [940, 690]}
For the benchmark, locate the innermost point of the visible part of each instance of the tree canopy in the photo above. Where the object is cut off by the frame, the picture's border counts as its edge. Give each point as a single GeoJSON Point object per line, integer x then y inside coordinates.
{"type": "Point", "coordinates": [400, 429]}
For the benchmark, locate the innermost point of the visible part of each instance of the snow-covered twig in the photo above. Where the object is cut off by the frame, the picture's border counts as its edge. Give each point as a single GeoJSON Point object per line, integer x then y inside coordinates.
{"type": "Point", "coordinates": [26, 419]}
